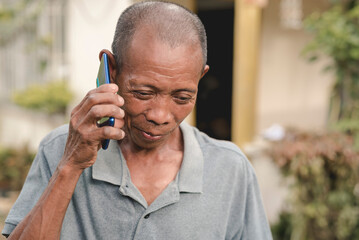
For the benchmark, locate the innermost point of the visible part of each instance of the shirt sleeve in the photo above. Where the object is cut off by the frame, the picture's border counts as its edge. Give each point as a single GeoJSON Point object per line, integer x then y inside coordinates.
{"type": "Point", "coordinates": [256, 225]}
{"type": "Point", "coordinates": [35, 183]}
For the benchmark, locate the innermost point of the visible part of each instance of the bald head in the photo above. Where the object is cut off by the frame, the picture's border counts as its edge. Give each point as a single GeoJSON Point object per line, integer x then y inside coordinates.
{"type": "Point", "coordinates": [170, 23]}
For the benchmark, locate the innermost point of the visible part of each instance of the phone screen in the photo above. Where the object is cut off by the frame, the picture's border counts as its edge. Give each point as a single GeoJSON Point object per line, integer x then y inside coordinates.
{"type": "Point", "coordinates": [103, 75]}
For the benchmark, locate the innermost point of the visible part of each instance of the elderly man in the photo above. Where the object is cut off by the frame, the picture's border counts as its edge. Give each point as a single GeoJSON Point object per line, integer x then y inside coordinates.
{"type": "Point", "coordinates": [159, 178]}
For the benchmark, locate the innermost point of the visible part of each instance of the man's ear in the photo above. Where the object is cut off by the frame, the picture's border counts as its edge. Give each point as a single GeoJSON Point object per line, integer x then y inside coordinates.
{"type": "Point", "coordinates": [112, 64]}
{"type": "Point", "coordinates": [205, 70]}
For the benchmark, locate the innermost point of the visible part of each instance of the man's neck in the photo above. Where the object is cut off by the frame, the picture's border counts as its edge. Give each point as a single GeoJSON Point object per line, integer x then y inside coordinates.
{"type": "Point", "coordinates": [174, 144]}
{"type": "Point", "coordinates": [152, 170]}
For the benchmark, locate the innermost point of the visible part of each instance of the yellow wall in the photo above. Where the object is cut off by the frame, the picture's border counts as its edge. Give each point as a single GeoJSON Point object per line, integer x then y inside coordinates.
{"type": "Point", "coordinates": [247, 24]}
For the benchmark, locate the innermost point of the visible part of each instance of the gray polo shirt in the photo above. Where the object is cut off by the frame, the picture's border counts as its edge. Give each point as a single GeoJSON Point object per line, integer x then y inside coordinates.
{"type": "Point", "coordinates": [214, 196]}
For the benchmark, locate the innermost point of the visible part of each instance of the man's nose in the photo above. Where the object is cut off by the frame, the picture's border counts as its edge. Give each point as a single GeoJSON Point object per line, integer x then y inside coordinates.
{"type": "Point", "coordinates": [159, 112]}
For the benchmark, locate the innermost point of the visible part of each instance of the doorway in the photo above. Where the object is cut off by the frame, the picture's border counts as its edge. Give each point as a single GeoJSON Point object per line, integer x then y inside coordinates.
{"type": "Point", "coordinates": [214, 103]}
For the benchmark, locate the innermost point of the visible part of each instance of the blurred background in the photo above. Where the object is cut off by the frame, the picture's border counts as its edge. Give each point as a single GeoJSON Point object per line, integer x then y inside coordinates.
{"type": "Point", "coordinates": [283, 85]}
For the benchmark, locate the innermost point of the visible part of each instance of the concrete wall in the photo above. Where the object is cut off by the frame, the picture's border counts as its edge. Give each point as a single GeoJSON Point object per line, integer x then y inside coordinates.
{"type": "Point", "coordinates": [290, 91]}
{"type": "Point", "coordinates": [91, 27]}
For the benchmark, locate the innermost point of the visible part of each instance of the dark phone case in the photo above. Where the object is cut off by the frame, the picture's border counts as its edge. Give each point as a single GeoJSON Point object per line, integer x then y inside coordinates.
{"type": "Point", "coordinates": [103, 77]}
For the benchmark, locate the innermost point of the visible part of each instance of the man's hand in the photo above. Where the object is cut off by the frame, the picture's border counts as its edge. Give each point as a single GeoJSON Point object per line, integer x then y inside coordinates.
{"type": "Point", "coordinates": [84, 139]}
{"type": "Point", "coordinates": [44, 221]}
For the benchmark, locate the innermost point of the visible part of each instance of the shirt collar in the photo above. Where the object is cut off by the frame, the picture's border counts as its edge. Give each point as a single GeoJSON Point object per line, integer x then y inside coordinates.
{"type": "Point", "coordinates": [111, 166]}
{"type": "Point", "coordinates": [190, 176]}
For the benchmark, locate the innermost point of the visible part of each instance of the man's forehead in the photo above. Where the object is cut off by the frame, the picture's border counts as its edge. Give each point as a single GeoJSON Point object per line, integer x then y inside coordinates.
{"type": "Point", "coordinates": [145, 46]}
{"type": "Point", "coordinates": [172, 39]}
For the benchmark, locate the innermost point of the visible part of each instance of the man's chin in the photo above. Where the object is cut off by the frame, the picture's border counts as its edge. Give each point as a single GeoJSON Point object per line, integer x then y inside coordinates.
{"type": "Point", "coordinates": [146, 140]}
{"type": "Point", "coordinates": [147, 145]}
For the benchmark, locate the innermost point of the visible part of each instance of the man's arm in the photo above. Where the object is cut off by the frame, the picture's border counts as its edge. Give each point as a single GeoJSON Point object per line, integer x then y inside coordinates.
{"type": "Point", "coordinates": [44, 221]}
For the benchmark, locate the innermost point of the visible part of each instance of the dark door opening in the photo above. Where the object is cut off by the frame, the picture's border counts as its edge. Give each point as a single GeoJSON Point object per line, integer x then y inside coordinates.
{"type": "Point", "coordinates": [213, 114]}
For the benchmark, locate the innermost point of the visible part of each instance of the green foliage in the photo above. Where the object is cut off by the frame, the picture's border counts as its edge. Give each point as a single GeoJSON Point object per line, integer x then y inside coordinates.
{"type": "Point", "coordinates": [325, 169]}
{"type": "Point", "coordinates": [283, 228]}
{"type": "Point", "coordinates": [336, 36]}
{"type": "Point", "coordinates": [14, 166]}
{"type": "Point", "coordinates": [52, 97]}
{"type": "Point", "coordinates": [350, 127]}
{"type": "Point", "coordinates": [324, 201]}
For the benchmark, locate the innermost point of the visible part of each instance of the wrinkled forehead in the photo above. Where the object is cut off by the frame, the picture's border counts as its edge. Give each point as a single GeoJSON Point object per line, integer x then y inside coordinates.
{"type": "Point", "coordinates": [147, 45]}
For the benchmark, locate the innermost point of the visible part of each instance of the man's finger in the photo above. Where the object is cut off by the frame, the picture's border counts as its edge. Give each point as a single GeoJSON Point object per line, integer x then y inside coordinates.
{"type": "Point", "coordinates": [107, 132]}
{"type": "Point", "coordinates": [119, 122]}
{"type": "Point", "coordinates": [106, 110]}
{"type": "Point", "coordinates": [98, 101]}
{"type": "Point", "coordinates": [105, 88]}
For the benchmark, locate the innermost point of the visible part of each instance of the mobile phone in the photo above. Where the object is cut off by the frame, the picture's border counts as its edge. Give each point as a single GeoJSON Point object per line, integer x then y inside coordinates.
{"type": "Point", "coordinates": [103, 77]}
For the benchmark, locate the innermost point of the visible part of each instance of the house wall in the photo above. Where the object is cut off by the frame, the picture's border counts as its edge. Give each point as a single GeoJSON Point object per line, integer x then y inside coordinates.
{"type": "Point", "coordinates": [91, 28]}
{"type": "Point", "coordinates": [290, 90]}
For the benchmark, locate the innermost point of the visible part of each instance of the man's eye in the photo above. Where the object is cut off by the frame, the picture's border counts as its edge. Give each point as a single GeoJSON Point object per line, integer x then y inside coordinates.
{"type": "Point", "coordinates": [183, 99]}
{"type": "Point", "coordinates": [142, 95]}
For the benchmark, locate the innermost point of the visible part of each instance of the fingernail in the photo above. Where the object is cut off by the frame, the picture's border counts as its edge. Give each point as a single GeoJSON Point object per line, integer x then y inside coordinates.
{"type": "Point", "coordinates": [114, 87]}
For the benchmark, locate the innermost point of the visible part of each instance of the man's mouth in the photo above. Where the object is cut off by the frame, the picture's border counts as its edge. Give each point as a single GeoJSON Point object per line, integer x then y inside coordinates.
{"type": "Point", "coordinates": [151, 136]}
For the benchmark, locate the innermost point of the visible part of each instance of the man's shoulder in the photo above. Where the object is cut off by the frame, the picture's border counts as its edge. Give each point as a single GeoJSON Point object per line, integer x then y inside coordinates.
{"type": "Point", "coordinates": [220, 153]}
{"type": "Point", "coordinates": [58, 135]}
{"type": "Point", "coordinates": [52, 147]}
{"type": "Point", "coordinates": [221, 146]}
{"type": "Point", "coordinates": [224, 156]}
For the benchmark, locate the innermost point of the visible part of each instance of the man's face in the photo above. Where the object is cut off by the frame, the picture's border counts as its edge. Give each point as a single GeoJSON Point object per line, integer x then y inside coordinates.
{"type": "Point", "coordinates": [159, 85]}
